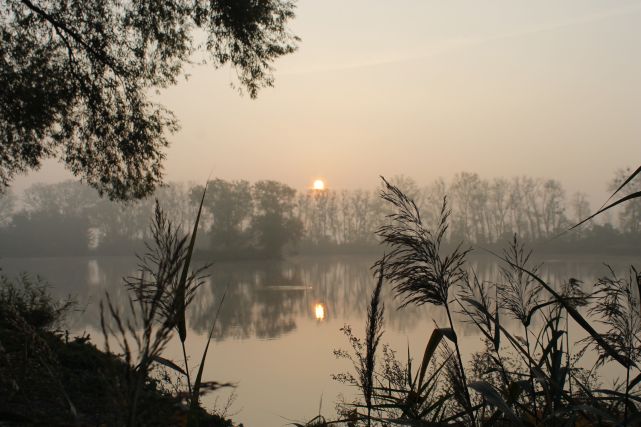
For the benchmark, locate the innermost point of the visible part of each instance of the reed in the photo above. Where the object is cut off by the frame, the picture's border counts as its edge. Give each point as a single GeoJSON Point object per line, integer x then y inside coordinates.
{"type": "Point", "coordinates": [418, 268]}
{"type": "Point", "coordinates": [528, 380]}
{"type": "Point", "coordinates": [159, 297]}
{"type": "Point", "coordinates": [374, 332]}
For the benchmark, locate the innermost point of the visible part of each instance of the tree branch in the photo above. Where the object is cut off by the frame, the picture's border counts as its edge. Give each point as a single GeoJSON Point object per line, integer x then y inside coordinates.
{"type": "Point", "coordinates": [60, 26]}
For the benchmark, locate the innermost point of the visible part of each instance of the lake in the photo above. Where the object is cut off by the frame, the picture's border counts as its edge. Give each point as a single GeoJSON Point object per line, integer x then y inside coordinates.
{"type": "Point", "coordinates": [281, 321]}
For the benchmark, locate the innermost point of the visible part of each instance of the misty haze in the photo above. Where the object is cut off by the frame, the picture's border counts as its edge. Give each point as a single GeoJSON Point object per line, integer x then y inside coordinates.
{"type": "Point", "coordinates": [415, 213]}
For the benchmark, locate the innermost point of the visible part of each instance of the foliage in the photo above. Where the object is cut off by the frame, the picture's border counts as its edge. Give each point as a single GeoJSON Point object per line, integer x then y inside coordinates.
{"type": "Point", "coordinates": [48, 378]}
{"type": "Point", "coordinates": [421, 273]}
{"type": "Point", "coordinates": [234, 225]}
{"type": "Point", "coordinates": [617, 303]}
{"type": "Point", "coordinates": [274, 224]}
{"type": "Point", "coordinates": [364, 359]}
{"type": "Point", "coordinates": [392, 391]}
{"type": "Point", "coordinates": [249, 220]}
{"type": "Point", "coordinates": [528, 380]}
{"type": "Point", "coordinates": [229, 205]}
{"type": "Point", "coordinates": [415, 265]}
{"type": "Point", "coordinates": [520, 294]}
{"type": "Point", "coordinates": [7, 207]}
{"type": "Point", "coordinates": [29, 299]}
{"type": "Point", "coordinates": [158, 300]}
{"type": "Point", "coordinates": [77, 78]}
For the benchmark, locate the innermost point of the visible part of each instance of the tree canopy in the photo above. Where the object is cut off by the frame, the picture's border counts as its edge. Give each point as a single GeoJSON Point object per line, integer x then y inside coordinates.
{"type": "Point", "coordinates": [76, 76]}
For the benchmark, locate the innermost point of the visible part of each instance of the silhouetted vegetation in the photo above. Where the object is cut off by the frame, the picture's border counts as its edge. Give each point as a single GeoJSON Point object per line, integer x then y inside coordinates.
{"type": "Point", "coordinates": [249, 221]}
{"type": "Point", "coordinates": [104, 388]}
{"type": "Point", "coordinates": [268, 219]}
{"type": "Point", "coordinates": [77, 76]}
{"type": "Point", "coordinates": [530, 377]}
{"type": "Point", "coordinates": [535, 376]}
{"type": "Point", "coordinates": [49, 378]}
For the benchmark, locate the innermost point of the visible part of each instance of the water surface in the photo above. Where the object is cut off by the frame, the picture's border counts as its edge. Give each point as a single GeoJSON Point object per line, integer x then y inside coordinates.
{"type": "Point", "coordinates": [268, 338]}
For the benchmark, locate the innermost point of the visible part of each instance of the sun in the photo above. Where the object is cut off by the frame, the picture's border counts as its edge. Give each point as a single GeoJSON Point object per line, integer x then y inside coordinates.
{"type": "Point", "coordinates": [319, 184]}
{"type": "Point", "coordinates": [319, 312]}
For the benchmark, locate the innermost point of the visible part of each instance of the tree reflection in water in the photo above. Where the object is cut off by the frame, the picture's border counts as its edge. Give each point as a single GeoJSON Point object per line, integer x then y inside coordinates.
{"type": "Point", "coordinates": [265, 300]}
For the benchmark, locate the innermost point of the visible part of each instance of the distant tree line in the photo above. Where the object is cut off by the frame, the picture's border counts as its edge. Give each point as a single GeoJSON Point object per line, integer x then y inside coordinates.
{"type": "Point", "coordinates": [241, 220]}
{"type": "Point", "coordinates": [70, 218]}
{"type": "Point", "coordinates": [248, 220]}
{"type": "Point", "coordinates": [483, 212]}
{"type": "Point", "coordinates": [268, 219]}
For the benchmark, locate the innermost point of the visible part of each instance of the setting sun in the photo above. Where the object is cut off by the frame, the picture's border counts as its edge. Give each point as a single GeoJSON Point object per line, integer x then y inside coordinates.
{"type": "Point", "coordinates": [312, 162]}
{"type": "Point", "coordinates": [319, 311]}
{"type": "Point", "coordinates": [319, 184]}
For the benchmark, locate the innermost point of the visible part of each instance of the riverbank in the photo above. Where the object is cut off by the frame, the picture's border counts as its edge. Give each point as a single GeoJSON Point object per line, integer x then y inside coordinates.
{"type": "Point", "coordinates": [48, 377]}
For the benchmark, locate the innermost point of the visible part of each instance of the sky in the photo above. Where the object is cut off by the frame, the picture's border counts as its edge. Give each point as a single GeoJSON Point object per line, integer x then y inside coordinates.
{"type": "Point", "coordinates": [425, 89]}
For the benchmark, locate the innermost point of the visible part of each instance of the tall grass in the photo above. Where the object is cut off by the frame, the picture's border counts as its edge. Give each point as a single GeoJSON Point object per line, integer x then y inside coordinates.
{"type": "Point", "coordinates": [527, 376]}
{"type": "Point", "coordinates": [421, 273]}
{"type": "Point", "coordinates": [374, 332]}
{"type": "Point", "coordinates": [26, 311]}
{"type": "Point", "coordinates": [617, 308]}
{"type": "Point", "coordinates": [158, 300]}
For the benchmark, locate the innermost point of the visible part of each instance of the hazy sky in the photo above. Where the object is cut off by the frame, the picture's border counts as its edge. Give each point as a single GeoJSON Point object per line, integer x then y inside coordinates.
{"type": "Point", "coordinates": [425, 89]}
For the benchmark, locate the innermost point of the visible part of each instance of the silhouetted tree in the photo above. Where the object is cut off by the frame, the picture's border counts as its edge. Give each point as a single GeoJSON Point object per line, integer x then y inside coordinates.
{"type": "Point", "coordinates": [498, 208]}
{"type": "Point", "coordinates": [274, 224]}
{"type": "Point", "coordinates": [360, 214]}
{"type": "Point", "coordinates": [67, 198]}
{"type": "Point", "coordinates": [76, 78]}
{"type": "Point", "coordinates": [229, 205]}
{"type": "Point", "coordinates": [469, 195]}
{"type": "Point", "coordinates": [630, 212]}
{"type": "Point", "coordinates": [517, 207]}
{"type": "Point", "coordinates": [553, 200]}
{"type": "Point", "coordinates": [7, 207]}
{"type": "Point", "coordinates": [580, 209]}
{"type": "Point", "coordinates": [409, 186]}
{"type": "Point", "coordinates": [317, 209]}
{"type": "Point", "coordinates": [431, 200]}
{"type": "Point", "coordinates": [119, 227]}
{"type": "Point", "coordinates": [176, 202]}
{"type": "Point", "coordinates": [53, 221]}
{"type": "Point", "coordinates": [43, 234]}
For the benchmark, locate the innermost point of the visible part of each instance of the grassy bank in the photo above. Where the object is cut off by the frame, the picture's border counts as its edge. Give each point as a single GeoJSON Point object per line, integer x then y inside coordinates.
{"type": "Point", "coordinates": [49, 378]}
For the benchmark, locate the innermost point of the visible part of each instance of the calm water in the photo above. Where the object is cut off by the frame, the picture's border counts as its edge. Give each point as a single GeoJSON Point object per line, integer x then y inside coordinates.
{"type": "Point", "coordinates": [268, 338]}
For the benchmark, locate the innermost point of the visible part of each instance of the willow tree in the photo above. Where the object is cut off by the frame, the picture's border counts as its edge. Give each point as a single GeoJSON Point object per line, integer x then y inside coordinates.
{"type": "Point", "coordinates": [76, 78]}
